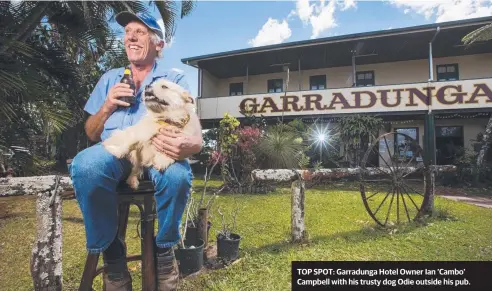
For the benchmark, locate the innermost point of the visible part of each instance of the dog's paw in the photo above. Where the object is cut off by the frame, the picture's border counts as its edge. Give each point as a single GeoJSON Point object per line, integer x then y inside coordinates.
{"type": "Point", "coordinates": [133, 182]}
{"type": "Point", "coordinates": [116, 150]}
{"type": "Point", "coordinates": [162, 162]}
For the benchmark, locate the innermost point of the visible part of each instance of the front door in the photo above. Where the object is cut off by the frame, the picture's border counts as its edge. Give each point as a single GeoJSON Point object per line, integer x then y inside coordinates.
{"type": "Point", "coordinates": [449, 144]}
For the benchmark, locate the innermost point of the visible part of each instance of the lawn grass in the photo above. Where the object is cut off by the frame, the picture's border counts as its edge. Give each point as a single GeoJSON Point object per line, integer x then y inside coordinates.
{"type": "Point", "coordinates": [338, 225]}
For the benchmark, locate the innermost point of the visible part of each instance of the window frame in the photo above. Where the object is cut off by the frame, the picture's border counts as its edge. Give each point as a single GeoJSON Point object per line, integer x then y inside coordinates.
{"type": "Point", "coordinates": [271, 85]}
{"type": "Point", "coordinates": [373, 83]}
{"type": "Point", "coordinates": [395, 142]}
{"type": "Point", "coordinates": [457, 72]}
{"type": "Point", "coordinates": [313, 79]}
{"type": "Point", "coordinates": [231, 88]}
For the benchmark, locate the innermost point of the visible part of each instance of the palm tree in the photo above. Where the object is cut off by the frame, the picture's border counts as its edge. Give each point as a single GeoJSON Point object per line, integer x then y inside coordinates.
{"type": "Point", "coordinates": [483, 33]}
{"type": "Point", "coordinates": [52, 54]}
{"type": "Point", "coordinates": [281, 147]}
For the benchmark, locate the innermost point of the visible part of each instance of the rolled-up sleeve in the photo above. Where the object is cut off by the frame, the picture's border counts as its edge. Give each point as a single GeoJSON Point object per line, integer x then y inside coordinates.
{"type": "Point", "coordinates": [98, 96]}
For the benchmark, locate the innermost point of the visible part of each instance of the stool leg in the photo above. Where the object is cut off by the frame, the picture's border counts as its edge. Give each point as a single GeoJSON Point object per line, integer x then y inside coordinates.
{"type": "Point", "coordinates": [124, 211]}
{"type": "Point", "coordinates": [149, 279]}
{"type": "Point", "coordinates": [89, 272]}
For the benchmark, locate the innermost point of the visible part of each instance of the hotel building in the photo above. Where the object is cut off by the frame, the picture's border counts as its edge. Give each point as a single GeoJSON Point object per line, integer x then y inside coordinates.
{"type": "Point", "coordinates": [398, 74]}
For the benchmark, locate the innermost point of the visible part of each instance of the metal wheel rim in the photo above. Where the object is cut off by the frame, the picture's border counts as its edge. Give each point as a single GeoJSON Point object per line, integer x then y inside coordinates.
{"type": "Point", "coordinates": [399, 188]}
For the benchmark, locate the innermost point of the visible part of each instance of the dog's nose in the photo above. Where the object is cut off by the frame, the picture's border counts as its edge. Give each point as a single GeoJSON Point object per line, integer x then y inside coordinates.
{"type": "Point", "coordinates": [147, 87]}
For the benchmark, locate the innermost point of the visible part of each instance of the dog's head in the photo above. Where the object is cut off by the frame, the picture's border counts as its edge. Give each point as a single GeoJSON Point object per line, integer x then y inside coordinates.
{"type": "Point", "coordinates": [163, 95]}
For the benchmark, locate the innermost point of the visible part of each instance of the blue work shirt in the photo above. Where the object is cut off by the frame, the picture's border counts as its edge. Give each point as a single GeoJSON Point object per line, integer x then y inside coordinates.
{"type": "Point", "coordinates": [124, 117]}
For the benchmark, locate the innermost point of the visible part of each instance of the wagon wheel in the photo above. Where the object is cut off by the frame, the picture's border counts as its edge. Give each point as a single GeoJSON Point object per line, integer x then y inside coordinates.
{"type": "Point", "coordinates": [394, 191]}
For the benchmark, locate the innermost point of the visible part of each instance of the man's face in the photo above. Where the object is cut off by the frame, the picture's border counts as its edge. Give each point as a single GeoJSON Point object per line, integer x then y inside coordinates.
{"type": "Point", "coordinates": [139, 46]}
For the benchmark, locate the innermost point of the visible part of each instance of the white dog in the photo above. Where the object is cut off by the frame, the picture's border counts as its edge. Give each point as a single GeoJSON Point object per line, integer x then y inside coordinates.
{"type": "Point", "coordinates": [168, 105]}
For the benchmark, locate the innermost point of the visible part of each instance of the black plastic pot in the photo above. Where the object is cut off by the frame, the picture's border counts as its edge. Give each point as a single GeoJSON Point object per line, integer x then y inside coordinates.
{"type": "Point", "coordinates": [190, 259]}
{"type": "Point", "coordinates": [228, 248]}
{"type": "Point", "coordinates": [192, 232]}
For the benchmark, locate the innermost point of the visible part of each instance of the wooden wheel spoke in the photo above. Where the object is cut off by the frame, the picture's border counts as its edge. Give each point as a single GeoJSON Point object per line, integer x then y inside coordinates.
{"type": "Point", "coordinates": [372, 195]}
{"type": "Point", "coordinates": [411, 199]}
{"type": "Point", "coordinates": [379, 169]}
{"type": "Point", "coordinates": [405, 204]}
{"type": "Point", "coordinates": [413, 157]}
{"type": "Point", "coordinates": [402, 158]}
{"type": "Point", "coordinates": [416, 169]}
{"type": "Point", "coordinates": [416, 192]}
{"type": "Point", "coordinates": [375, 212]}
{"type": "Point", "coordinates": [397, 205]}
{"type": "Point", "coordinates": [389, 209]}
{"type": "Point", "coordinates": [393, 181]}
{"type": "Point", "coordinates": [389, 152]}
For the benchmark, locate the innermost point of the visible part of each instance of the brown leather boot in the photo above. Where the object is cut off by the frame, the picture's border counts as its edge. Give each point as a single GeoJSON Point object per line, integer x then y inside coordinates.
{"type": "Point", "coordinates": [117, 281]}
{"type": "Point", "coordinates": [116, 276]}
{"type": "Point", "coordinates": [167, 271]}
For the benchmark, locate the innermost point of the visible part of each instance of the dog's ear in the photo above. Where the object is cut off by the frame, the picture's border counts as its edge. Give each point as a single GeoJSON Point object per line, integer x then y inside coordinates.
{"type": "Point", "coordinates": [187, 97]}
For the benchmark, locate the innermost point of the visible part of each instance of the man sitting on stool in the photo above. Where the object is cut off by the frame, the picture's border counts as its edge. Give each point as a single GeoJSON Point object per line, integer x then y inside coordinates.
{"type": "Point", "coordinates": [96, 173]}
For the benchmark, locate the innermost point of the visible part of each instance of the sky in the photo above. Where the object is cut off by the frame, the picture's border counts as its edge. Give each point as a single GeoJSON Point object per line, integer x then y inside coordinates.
{"type": "Point", "coordinates": [219, 26]}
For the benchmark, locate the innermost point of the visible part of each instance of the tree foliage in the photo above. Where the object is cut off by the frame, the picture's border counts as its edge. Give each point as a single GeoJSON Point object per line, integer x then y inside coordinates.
{"type": "Point", "coordinates": [52, 53]}
{"type": "Point", "coordinates": [483, 33]}
{"type": "Point", "coordinates": [355, 133]}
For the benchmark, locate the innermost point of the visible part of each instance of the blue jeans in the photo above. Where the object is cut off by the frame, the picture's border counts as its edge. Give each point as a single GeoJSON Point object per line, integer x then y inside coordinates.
{"type": "Point", "coordinates": [95, 175]}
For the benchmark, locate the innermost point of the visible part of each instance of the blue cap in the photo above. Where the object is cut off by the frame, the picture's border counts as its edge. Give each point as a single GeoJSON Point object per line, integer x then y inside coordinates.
{"type": "Point", "coordinates": [123, 18]}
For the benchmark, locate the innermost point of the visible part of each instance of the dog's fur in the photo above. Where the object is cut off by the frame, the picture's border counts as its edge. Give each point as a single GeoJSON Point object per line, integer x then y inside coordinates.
{"type": "Point", "coordinates": [165, 102]}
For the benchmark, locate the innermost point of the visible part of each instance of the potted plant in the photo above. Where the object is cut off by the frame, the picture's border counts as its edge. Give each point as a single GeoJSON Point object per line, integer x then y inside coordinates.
{"type": "Point", "coordinates": [200, 215]}
{"type": "Point", "coordinates": [227, 240]}
{"type": "Point", "coordinates": [189, 252]}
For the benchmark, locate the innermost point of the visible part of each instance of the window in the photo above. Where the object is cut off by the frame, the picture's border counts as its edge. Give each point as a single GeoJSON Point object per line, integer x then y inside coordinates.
{"type": "Point", "coordinates": [235, 89]}
{"type": "Point", "coordinates": [365, 78]}
{"type": "Point", "coordinates": [275, 85]}
{"type": "Point", "coordinates": [449, 144]}
{"type": "Point", "coordinates": [449, 131]}
{"type": "Point", "coordinates": [317, 82]}
{"type": "Point", "coordinates": [405, 146]}
{"type": "Point", "coordinates": [448, 72]}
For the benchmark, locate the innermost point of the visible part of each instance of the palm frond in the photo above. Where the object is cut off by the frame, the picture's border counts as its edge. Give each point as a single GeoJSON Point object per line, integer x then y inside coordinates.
{"type": "Point", "coordinates": [9, 82]}
{"type": "Point", "coordinates": [58, 119]}
{"type": "Point", "coordinates": [169, 12]}
{"type": "Point", "coordinates": [20, 48]}
{"type": "Point", "coordinates": [483, 33]}
{"type": "Point", "coordinates": [7, 112]}
{"type": "Point", "coordinates": [280, 148]}
{"type": "Point", "coordinates": [187, 7]}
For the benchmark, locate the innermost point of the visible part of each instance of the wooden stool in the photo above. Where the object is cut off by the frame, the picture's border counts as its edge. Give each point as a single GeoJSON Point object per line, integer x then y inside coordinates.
{"type": "Point", "coordinates": [143, 198]}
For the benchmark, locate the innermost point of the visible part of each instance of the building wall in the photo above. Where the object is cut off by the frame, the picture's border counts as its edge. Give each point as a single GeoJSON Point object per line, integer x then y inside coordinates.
{"type": "Point", "coordinates": [471, 128]}
{"type": "Point", "coordinates": [210, 85]}
{"type": "Point", "coordinates": [470, 67]}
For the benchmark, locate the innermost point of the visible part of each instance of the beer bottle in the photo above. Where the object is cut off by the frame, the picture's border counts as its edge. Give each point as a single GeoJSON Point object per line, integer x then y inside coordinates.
{"type": "Point", "coordinates": [127, 79]}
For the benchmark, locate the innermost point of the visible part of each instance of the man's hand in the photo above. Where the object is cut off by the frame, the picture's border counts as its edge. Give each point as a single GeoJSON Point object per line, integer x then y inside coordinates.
{"type": "Point", "coordinates": [95, 123]}
{"type": "Point", "coordinates": [175, 144]}
{"type": "Point", "coordinates": [117, 91]}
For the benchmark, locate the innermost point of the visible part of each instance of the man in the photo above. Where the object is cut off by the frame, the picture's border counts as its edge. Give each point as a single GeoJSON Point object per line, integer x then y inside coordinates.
{"type": "Point", "coordinates": [96, 173]}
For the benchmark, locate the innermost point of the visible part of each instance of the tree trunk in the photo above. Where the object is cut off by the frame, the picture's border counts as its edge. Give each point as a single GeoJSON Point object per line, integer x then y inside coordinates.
{"type": "Point", "coordinates": [485, 146]}
{"type": "Point", "coordinates": [429, 187]}
{"type": "Point", "coordinates": [46, 260]}
{"type": "Point", "coordinates": [298, 226]}
{"type": "Point", "coordinates": [203, 225]}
